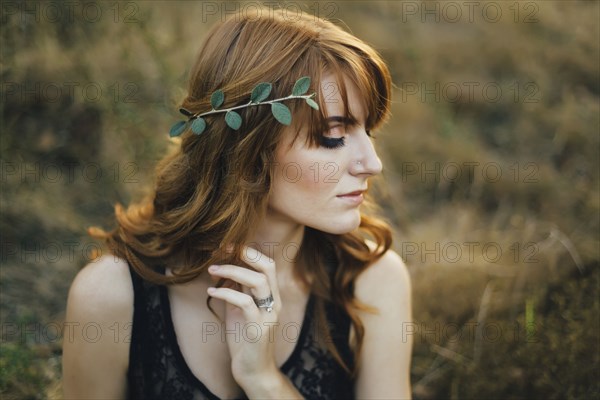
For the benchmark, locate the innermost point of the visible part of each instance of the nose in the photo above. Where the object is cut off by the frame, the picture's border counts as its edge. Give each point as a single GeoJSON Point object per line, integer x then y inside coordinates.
{"type": "Point", "coordinates": [365, 160]}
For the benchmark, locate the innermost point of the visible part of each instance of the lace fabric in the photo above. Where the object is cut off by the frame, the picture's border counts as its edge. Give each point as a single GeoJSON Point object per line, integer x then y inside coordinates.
{"type": "Point", "coordinates": [157, 369]}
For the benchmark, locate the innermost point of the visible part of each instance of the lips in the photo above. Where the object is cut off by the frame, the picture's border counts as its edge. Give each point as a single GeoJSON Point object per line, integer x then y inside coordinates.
{"type": "Point", "coordinates": [355, 193]}
{"type": "Point", "coordinates": [353, 199]}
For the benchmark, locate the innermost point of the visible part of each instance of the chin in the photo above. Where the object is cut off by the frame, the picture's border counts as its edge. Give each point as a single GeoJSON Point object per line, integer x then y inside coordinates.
{"type": "Point", "coordinates": [340, 226]}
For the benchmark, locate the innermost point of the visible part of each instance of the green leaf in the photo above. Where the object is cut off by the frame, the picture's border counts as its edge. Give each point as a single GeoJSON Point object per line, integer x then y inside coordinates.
{"type": "Point", "coordinates": [185, 112]}
{"type": "Point", "coordinates": [178, 128]}
{"type": "Point", "coordinates": [281, 113]}
{"type": "Point", "coordinates": [233, 120]}
{"type": "Point", "coordinates": [216, 99]}
{"type": "Point", "coordinates": [260, 92]}
{"type": "Point", "coordinates": [198, 126]}
{"type": "Point", "coordinates": [312, 103]}
{"type": "Point", "coordinates": [301, 86]}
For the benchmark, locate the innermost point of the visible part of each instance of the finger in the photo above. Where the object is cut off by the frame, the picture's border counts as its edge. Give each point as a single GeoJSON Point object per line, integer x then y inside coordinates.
{"type": "Point", "coordinates": [256, 281]}
{"type": "Point", "coordinates": [238, 299]}
{"type": "Point", "coordinates": [256, 259]}
{"type": "Point", "coordinates": [264, 264]}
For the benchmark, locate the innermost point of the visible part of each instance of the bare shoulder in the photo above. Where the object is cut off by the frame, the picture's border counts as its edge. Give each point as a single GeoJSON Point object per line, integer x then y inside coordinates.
{"type": "Point", "coordinates": [388, 275]}
{"type": "Point", "coordinates": [100, 312]}
{"type": "Point", "coordinates": [386, 352]}
{"type": "Point", "coordinates": [103, 286]}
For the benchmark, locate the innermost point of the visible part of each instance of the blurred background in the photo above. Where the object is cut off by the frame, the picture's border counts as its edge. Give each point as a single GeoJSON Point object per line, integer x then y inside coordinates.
{"type": "Point", "coordinates": [491, 163]}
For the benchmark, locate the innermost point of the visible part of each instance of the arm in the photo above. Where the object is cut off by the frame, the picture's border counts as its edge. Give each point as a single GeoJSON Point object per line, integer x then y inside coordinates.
{"type": "Point", "coordinates": [274, 385]}
{"type": "Point", "coordinates": [386, 352]}
{"type": "Point", "coordinates": [95, 352]}
{"type": "Point", "coordinates": [253, 362]}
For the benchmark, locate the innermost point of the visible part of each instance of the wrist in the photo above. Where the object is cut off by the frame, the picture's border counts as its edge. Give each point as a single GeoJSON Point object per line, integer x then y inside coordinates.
{"type": "Point", "coordinates": [263, 383]}
{"type": "Point", "coordinates": [262, 376]}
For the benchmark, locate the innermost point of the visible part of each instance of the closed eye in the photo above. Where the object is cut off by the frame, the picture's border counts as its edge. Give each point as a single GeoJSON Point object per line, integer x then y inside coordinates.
{"type": "Point", "coordinates": [338, 125]}
{"type": "Point", "coordinates": [332, 143]}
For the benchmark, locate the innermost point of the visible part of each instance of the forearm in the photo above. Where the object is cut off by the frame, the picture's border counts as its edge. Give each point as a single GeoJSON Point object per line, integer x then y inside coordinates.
{"type": "Point", "coordinates": [274, 386]}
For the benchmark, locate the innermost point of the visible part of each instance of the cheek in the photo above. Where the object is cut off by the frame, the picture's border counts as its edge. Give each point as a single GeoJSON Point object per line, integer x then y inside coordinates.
{"type": "Point", "coordinates": [306, 176]}
{"type": "Point", "coordinates": [299, 179]}
{"type": "Point", "coordinates": [319, 177]}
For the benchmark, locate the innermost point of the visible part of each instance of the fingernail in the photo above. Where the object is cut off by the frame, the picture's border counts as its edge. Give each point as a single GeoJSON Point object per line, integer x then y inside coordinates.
{"type": "Point", "coordinates": [211, 290]}
{"type": "Point", "coordinates": [213, 268]}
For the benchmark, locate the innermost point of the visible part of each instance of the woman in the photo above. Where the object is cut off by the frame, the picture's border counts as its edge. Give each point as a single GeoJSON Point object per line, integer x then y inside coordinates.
{"type": "Point", "coordinates": [297, 303]}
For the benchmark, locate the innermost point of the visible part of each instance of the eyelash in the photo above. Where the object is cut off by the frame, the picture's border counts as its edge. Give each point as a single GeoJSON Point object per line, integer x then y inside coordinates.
{"type": "Point", "coordinates": [334, 143]}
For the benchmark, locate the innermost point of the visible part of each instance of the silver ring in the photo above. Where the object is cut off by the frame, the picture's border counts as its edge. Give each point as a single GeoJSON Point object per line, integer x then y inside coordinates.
{"type": "Point", "coordinates": [267, 302]}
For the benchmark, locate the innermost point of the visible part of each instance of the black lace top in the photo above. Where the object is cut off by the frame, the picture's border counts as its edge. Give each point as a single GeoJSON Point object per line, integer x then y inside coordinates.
{"type": "Point", "coordinates": [157, 369]}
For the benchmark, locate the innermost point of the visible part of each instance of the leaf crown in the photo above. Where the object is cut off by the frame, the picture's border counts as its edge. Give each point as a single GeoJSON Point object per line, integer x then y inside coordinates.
{"type": "Point", "coordinates": [258, 97]}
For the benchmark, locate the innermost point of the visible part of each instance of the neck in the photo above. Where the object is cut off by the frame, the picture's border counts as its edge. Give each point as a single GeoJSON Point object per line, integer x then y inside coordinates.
{"type": "Point", "coordinates": [280, 239]}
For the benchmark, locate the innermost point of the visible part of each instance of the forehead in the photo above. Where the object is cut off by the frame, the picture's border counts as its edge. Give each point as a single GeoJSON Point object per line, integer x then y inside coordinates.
{"type": "Point", "coordinates": [333, 100]}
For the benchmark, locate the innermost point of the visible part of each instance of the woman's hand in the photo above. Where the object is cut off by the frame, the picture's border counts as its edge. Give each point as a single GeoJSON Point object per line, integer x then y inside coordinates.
{"type": "Point", "coordinates": [251, 330]}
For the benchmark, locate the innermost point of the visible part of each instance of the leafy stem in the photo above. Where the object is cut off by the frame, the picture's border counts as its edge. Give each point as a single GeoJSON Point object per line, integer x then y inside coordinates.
{"type": "Point", "coordinates": [258, 97]}
{"type": "Point", "coordinates": [250, 103]}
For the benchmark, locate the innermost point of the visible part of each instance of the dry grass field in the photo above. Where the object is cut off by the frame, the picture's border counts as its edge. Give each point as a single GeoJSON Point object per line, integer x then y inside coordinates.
{"type": "Point", "coordinates": [491, 164]}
